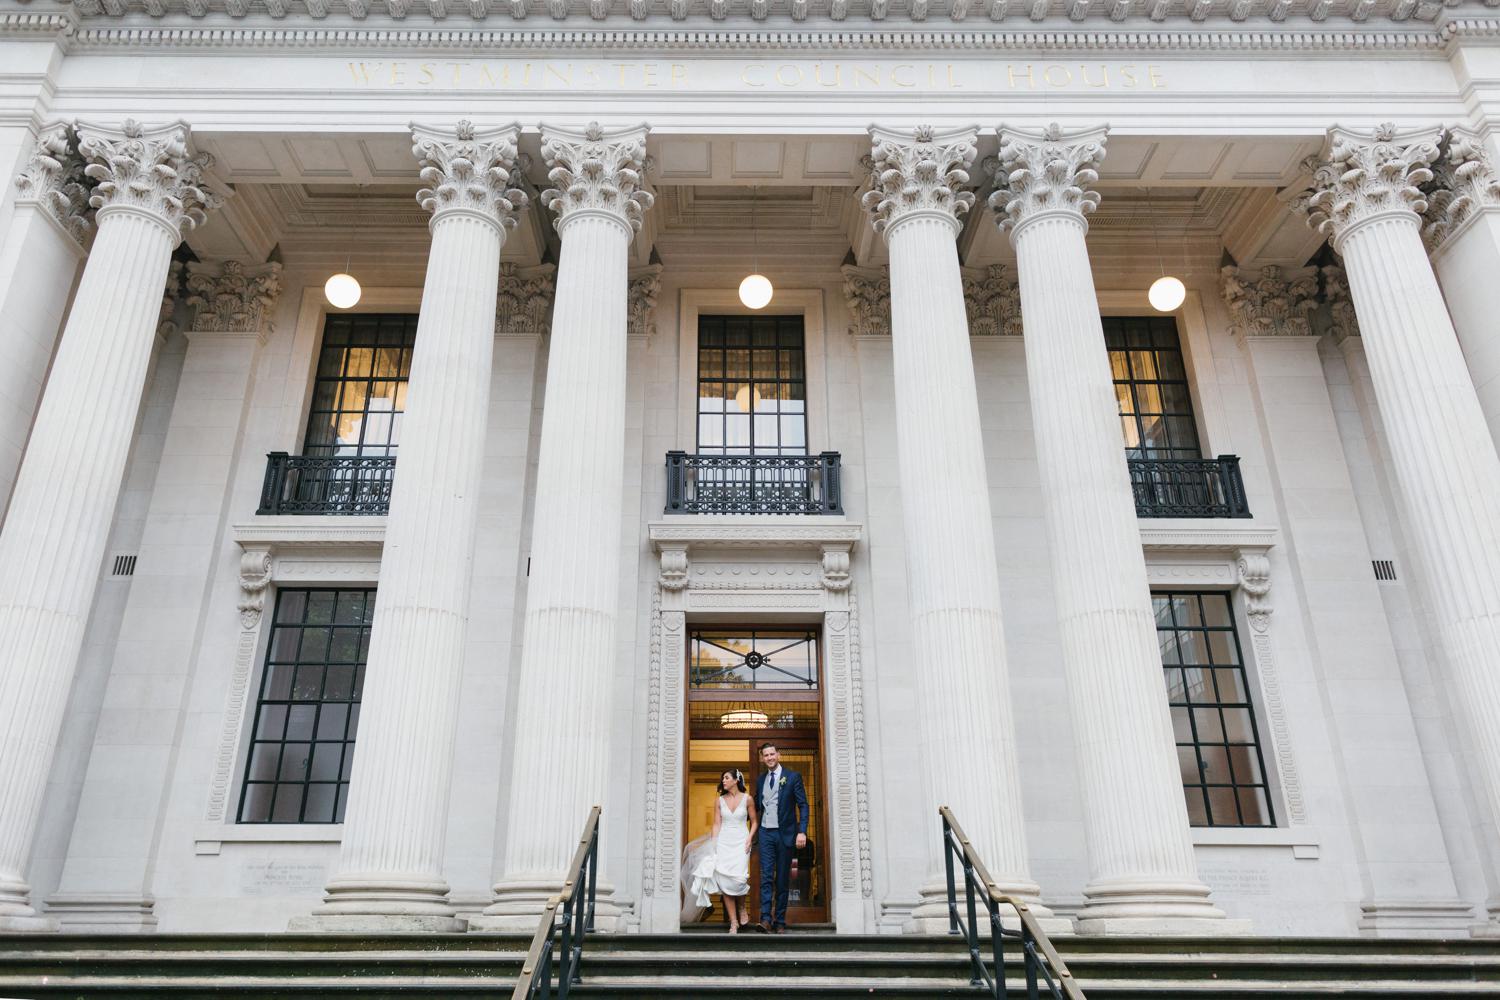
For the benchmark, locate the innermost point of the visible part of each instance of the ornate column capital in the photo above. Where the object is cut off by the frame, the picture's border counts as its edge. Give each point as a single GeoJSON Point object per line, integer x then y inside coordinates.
{"type": "Point", "coordinates": [1363, 176]}
{"type": "Point", "coordinates": [231, 297]}
{"type": "Point", "coordinates": [523, 307]}
{"type": "Point", "coordinates": [1271, 301]}
{"type": "Point", "coordinates": [919, 172]}
{"type": "Point", "coordinates": [867, 292]}
{"type": "Point", "coordinates": [1042, 172]}
{"type": "Point", "coordinates": [597, 171]}
{"type": "Point", "coordinates": [53, 179]}
{"type": "Point", "coordinates": [1463, 182]}
{"type": "Point", "coordinates": [1343, 323]}
{"type": "Point", "coordinates": [640, 312]}
{"type": "Point", "coordinates": [468, 172]}
{"type": "Point", "coordinates": [992, 300]}
{"type": "Point", "coordinates": [152, 172]}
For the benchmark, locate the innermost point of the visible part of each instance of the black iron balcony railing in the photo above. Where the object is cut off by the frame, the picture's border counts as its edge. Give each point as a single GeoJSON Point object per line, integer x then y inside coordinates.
{"type": "Point", "coordinates": [326, 484]}
{"type": "Point", "coordinates": [753, 484]}
{"type": "Point", "coordinates": [1188, 487]}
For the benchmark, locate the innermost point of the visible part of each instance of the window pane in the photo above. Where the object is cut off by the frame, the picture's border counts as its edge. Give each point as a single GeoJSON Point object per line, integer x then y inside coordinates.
{"type": "Point", "coordinates": [362, 371]}
{"type": "Point", "coordinates": [1145, 360]}
{"type": "Point", "coordinates": [762, 371]}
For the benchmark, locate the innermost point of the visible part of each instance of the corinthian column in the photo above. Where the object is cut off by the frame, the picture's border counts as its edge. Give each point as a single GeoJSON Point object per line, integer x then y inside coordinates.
{"type": "Point", "coordinates": [560, 768]}
{"type": "Point", "coordinates": [1444, 466]}
{"type": "Point", "coordinates": [39, 259]}
{"type": "Point", "coordinates": [1143, 877]}
{"type": "Point", "coordinates": [963, 692]}
{"type": "Point", "coordinates": [1462, 233]}
{"type": "Point", "coordinates": [390, 870]}
{"type": "Point", "coordinates": [147, 196]}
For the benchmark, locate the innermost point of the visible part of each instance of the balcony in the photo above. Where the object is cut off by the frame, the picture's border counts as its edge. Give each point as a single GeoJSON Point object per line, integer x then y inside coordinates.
{"type": "Point", "coordinates": [753, 484]}
{"type": "Point", "coordinates": [1188, 487]}
{"type": "Point", "coordinates": [326, 484]}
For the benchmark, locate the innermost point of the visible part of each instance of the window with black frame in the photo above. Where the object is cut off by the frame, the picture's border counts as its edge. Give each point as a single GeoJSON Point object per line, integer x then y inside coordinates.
{"type": "Point", "coordinates": [1151, 386]}
{"type": "Point", "coordinates": [359, 393]}
{"type": "Point", "coordinates": [307, 708]}
{"type": "Point", "coordinates": [752, 386]}
{"type": "Point", "coordinates": [1213, 716]}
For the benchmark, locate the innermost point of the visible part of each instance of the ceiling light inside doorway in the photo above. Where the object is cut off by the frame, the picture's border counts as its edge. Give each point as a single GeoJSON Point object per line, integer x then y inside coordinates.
{"type": "Point", "coordinates": [744, 718]}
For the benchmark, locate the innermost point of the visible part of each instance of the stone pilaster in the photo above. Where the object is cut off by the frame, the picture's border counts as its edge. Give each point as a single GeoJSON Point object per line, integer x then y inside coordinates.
{"type": "Point", "coordinates": [39, 258]}
{"type": "Point", "coordinates": [1143, 876]}
{"type": "Point", "coordinates": [1368, 199]}
{"type": "Point", "coordinates": [964, 713]}
{"type": "Point", "coordinates": [1462, 232]}
{"type": "Point", "coordinates": [390, 870]}
{"type": "Point", "coordinates": [106, 880]}
{"type": "Point", "coordinates": [147, 195]}
{"type": "Point", "coordinates": [562, 718]}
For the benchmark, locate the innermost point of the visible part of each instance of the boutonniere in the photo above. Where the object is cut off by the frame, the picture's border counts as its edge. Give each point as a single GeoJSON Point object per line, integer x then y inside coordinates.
{"type": "Point", "coordinates": [781, 782]}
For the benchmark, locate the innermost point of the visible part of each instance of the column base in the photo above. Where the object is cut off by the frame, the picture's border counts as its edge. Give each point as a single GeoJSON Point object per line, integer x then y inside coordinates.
{"type": "Point", "coordinates": [103, 913]}
{"type": "Point", "coordinates": [1154, 907]}
{"type": "Point", "coordinates": [380, 904]}
{"type": "Point", "coordinates": [930, 915]}
{"type": "Point", "coordinates": [1428, 918]}
{"type": "Point", "coordinates": [519, 904]}
{"type": "Point", "coordinates": [16, 912]}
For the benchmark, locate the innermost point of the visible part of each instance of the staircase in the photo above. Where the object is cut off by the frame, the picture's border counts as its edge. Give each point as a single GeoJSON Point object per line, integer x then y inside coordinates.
{"type": "Point", "coordinates": [709, 966]}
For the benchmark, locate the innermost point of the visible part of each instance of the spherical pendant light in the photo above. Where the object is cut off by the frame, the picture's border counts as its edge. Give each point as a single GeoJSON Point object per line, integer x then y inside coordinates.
{"type": "Point", "coordinates": [342, 291]}
{"type": "Point", "coordinates": [755, 291]}
{"type": "Point", "coordinates": [1166, 293]}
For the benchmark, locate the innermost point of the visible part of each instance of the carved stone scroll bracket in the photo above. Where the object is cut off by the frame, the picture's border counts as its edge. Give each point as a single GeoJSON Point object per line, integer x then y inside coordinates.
{"type": "Point", "coordinates": [836, 567]}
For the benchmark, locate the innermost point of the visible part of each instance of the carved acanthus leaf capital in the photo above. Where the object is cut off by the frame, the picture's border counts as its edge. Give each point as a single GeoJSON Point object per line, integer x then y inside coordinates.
{"type": "Point", "coordinates": [867, 291]}
{"type": "Point", "coordinates": [149, 170]}
{"type": "Point", "coordinates": [54, 179]}
{"type": "Point", "coordinates": [229, 297]}
{"type": "Point", "coordinates": [1464, 181]}
{"type": "Point", "coordinates": [992, 300]}
{"type": "Point", "coordinates": [1271, 301]}
{"type": "Point", "coordinates": [597, 170]}
{"type": "Point", "coordinates": [640, 315]}
{"type": "Point", "coordinates": [919, 172]}
{"type": "Point", "coordinates": [469, 170]}
{"type": "Point", "coordinates": [523, 306]}
{"type": "Point", "coordinates": [1366, 175]}
{"type": "Point", "coordinates": [1343, 323]}
{"type": "Point", "coordinates": [1041, 171]}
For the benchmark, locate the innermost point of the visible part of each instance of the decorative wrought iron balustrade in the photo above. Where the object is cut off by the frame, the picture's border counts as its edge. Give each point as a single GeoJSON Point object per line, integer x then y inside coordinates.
{"type": "Point", "coordinates": [753, 484]}
{"type": "Point", "coordinates": [326, 484]}
{"type": "Point", "coordinates": [1188, 487]}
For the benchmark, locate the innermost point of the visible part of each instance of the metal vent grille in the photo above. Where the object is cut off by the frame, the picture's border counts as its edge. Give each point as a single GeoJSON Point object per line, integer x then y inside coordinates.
{"type": "Point", "coordinates": [124, 566]}
{"type": "Point", "coordinates": [1385, 569]}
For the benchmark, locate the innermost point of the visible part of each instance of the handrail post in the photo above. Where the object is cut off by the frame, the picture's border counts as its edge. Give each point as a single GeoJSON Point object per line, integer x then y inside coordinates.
{"type": "Point", "coordinates": [270, 491]}
{"type": "Point", "coordinates": [676, 481]}
{"type": "Point", "coordinates": [952, 888]}
{"type": "Point", "coordinates": [1028, 953]}
{"type": "Point", "coordinates": [997, 945]}
{"type": "Point", "coordinates": [833, 500]}
{"type": "Point", "coordinates": [973, 925]}
{"type": "Point", "coordinates": [593, 876]}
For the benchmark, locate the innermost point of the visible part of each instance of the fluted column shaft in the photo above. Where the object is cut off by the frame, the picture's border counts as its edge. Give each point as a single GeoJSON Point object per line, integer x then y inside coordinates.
{"type": "Point", "coordinates": [1135, 818]}
{"type": "Point", "coordinates": [560, 768]}
{"type": "Point", "coordinates": [390, 870]}
{"type": "Point", "coordinates": [964, 716]}
{"type": "Point", "coordinates": [55, 532]}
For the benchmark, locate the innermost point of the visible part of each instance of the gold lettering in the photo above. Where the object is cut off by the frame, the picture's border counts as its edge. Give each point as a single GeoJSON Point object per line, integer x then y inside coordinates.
{"type": "Point", "coordinates": [1157, 83]}
{"type": "Point", "coordinates": [566, 79]}
{"type": "Point", "coordinates": [485, 76]}
{"type": "Point", "coordinates": [818, 75]}
{"type": "Point", "coordinates": [426, 78]}
{"type": "Point", "coordinates": [591, 75]}
{"type": "Point", "coordinates": [397, 69]}
{"type": "Point", "coordinates": [622, 67]}
{"type": "Point", "coordinates": [931, 78]}
{"type": "Point", "coordinates": [953, 83]}
{"type": "Point", "coordinates": [1067, 76]}
{"type": "Point", "coordinates": [648, 74]}
{"type": "Point", "coordinates": [873, 78]}
{"type": "Point", "coordinates": [1030, 80]}
{"type": "Point", "coordinates": [745, 75]}
{"type": "Point", "coordinates": [361, 72]}
{"type": "Point", "coordinates": [458, 69]}
{"type": "Point", "coordinates": [1127, 74]}
{"type": "Point", "coordinates": [679, 75]}
{"type": "Point", "coordinates": [526, 75]}
{"type": "Point", "coordinates": [781, 75]}
{"type": "Point", "coordinates": [897, 79]}
{"type": "Point", "coordinates": [1083, 72]}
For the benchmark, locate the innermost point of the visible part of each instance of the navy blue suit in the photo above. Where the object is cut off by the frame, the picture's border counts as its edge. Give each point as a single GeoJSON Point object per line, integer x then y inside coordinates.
{"type": "Point", "coordinates": [777, 846]}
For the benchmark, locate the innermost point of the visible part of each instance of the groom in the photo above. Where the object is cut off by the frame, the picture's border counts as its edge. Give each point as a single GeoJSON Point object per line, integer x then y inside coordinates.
{"type": "Point", "coordinates": [781, 803]}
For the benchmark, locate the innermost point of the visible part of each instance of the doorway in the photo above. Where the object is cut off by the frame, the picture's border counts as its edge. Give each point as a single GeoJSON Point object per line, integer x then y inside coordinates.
{"type": "Point", "coordinates": [747, 686]}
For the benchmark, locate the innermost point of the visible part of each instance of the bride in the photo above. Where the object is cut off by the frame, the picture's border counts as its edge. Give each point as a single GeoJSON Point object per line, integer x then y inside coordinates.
{"type": "Point", "coordinates": [726, 869]}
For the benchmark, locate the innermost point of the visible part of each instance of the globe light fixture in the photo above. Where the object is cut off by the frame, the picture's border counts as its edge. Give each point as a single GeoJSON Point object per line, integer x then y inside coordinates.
{"type": "Point", "coordinates": [1166, 293]}
{"type": "Point", "coordinates": [342, 291]}
{"type": "Point", "coordinates": [755, 291]}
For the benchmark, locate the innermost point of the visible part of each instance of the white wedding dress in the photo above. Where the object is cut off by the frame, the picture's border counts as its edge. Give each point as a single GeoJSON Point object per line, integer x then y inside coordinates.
{"type": "Point", "coordinates": [726, 870]}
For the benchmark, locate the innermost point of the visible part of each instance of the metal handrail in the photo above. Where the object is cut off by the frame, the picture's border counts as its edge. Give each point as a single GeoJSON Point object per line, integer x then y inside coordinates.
{"type": "Point", "coordinates": [327, 484]}
{"type": "Point", "coordinates": [1041, 960]}
{"type": "Point", "coordinates": [1188, 487]}
{"type": "Point", "coordinates": [754, 484]}
{"type": "Point", "coordinates": [576, 900]}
